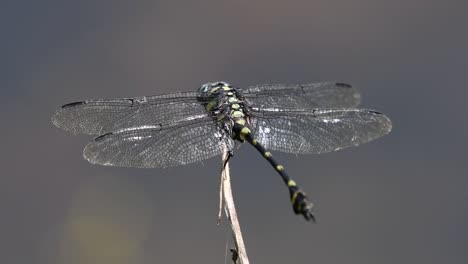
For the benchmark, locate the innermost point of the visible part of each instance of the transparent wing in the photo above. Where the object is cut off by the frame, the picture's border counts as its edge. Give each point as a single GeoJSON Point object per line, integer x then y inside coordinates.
{"type": "Point", "coordinates": [318, 131]}
{"type": "Point", "coordinates": [159, 146]}
{"type": "Point", "coordinates": [305, 96]}
{"type": "Point", "coordinates": [97, 117]}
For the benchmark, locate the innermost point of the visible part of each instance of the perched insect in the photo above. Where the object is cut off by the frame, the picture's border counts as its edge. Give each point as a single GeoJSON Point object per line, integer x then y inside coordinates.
{"type": "Point", "coordinates": [181, 128]}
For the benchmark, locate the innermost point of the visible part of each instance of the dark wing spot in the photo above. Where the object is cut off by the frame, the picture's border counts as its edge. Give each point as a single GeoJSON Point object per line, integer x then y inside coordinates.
{"type": "Point", "coordinates": [73, 104]}
{"type": "Point", "coordinates": [343, 85]}
{"type": "Point", "coordinates": [101, 137]}
{"type": "Point", "coordinates": [375, 112]}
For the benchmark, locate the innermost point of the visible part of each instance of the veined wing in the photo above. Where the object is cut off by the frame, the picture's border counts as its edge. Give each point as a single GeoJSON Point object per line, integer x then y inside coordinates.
{"type": "Point", "coordinates": [305, 96]}
{"type": "Point", "coordinates": [100, 116]}
{"type": "Point", "coordinates": [318, 131]}
{"type": "Point", "coordinates": [159, 146]}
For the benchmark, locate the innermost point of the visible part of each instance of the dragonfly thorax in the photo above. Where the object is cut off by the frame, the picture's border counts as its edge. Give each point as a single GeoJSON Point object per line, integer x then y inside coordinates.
{"type": "Point", "coordinates": [225, 104]}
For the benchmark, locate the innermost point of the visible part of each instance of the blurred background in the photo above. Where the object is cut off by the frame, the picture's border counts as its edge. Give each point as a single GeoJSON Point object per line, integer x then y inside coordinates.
{"type": "Point", "coordinates": [400, 199]}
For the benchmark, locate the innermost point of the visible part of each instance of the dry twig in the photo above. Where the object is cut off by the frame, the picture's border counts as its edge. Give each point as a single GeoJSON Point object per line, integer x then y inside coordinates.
{"type": "Point", "coordinates": [239, 254]}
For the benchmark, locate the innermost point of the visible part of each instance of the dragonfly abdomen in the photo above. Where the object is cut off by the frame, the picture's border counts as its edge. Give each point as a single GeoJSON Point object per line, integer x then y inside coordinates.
{"type": "Point", "coordinates": [299, 200]}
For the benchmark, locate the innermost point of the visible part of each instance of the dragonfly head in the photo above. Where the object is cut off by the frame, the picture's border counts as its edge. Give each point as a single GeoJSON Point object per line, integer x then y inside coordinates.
{"type": "Point", "coordinates": [208, 88]}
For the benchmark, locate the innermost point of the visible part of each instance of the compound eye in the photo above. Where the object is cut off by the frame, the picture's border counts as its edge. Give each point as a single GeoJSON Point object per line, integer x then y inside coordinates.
{"type": "Point", "coordinates": [204, 88]}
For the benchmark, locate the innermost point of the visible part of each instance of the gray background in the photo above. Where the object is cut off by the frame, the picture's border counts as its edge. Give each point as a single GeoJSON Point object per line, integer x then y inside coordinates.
{"type": "Point", "coordinates": [400, 199]}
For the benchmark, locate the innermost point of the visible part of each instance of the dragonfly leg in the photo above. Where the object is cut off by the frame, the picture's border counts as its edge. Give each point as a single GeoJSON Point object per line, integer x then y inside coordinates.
{"type": "Point", "coordinates": [230, 155]}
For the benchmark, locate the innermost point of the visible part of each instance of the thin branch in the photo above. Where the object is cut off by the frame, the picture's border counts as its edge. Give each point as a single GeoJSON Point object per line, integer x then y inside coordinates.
{"type": "Point", "coordinates": [239, 254]}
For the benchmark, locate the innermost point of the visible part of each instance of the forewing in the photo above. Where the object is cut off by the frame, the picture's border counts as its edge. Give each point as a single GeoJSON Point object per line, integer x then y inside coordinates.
{"type": "Point", "coordinates": [100, 116]}
{"type": "Point", "coordinates": [305, 96]}
{"type": "Point", "coordinates": [159, 146]}
{"type": "Point", "coordinates": [318, 131]}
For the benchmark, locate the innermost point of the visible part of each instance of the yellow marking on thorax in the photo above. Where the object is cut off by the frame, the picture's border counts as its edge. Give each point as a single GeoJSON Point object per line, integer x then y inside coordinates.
{"type": "Point", "coordinates": [240, 121]}
{"type": "Point", "coordinates": [225, 88]}
{"type": "Point", "coordinates": [212, 91]}
{"type": "Point", "coordinates": [211, 104]}
{"type": "Point", "coordinates": [291, 183]}
{"type": "Point", "coordinates": [237, 114]}
{"type": "Point", "coordinates": [220, 118]}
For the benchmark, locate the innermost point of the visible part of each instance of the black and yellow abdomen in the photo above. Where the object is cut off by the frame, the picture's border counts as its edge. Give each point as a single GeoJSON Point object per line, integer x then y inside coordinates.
{"type": "Point", "coordinates": [299, 200]}
{"type": "Point", "coordinates": [226, 106]}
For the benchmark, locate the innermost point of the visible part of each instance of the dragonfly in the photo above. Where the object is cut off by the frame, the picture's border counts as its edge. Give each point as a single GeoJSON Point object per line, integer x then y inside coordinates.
{"type": "Point", "coordinates": [187, 127]}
